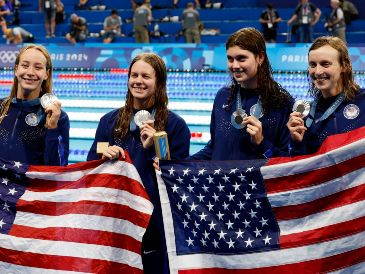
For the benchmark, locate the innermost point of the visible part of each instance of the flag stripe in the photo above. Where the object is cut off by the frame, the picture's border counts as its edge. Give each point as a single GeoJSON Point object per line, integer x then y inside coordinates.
{"type": "Point", "coordinates": [275, 258]}
{"type": "Point", "coordinates": [345, 197]}
{"type": "Point", "coordinates": [4, 268]}
{"type": "Point", "coordinates": [323, 234]}
{"type": "Point", "coordinates": [80, 221]}
{"type": "Point", "coordinates": [100, 194]}
{"type": "Point", "coordinates": [322, 265]}
{"type": "Point", "coordinates": [312, 162]}
{"type": "Point", "coordinates": [80, 251]}
{"type": "Point", "coordinates": [92, 180]}
{"type": "Point", "coordinates": [352, 269]}
{"type": "Point", "coordinates": [86, 236]}
{"type": "Point", "coordinates": [46, 261]}
{"type": "Point", "coordinates": [109, 167]}
{"type": "Point", "coordinates": [321, 219]}
{"type": "Point", "coordinates": [85, 207]}
{"type": "Point", "coordinates": [315, 176]}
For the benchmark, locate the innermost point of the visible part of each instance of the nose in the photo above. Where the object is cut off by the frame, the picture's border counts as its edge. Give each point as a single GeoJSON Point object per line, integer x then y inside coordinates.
{"type": "Point", "coordinates": [318, 70]}
{"type": "Point", "coordinates": [30, 70]}
{"type": "Point", "coordinates": [235, 64]}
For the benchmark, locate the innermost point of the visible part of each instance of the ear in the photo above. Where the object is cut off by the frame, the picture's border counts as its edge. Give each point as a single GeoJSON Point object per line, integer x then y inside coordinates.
{"type": "Point", "coordinates": [261, 58]}
{"type": "Point", "coordinates": [47, 75]}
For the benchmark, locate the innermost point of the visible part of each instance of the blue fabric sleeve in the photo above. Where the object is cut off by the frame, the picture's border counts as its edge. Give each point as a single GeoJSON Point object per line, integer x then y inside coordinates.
{"type": "Point", "coordinates": [57, 143]}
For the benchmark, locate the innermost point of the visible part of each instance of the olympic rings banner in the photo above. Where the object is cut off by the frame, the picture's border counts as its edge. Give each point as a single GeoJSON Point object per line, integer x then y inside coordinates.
{"type": "Point", "coordinates": [176, 56]}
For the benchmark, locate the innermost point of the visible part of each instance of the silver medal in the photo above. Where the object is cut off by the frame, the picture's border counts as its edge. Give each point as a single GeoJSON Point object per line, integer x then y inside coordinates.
{"type": "Point", "coordinates": [302, 106]}
{"type": "Point", "coordinates": [351, 111]}
{"type": "Point", "coordinates": [142, 116]}
{"type": "Point", "coordinates": [31, 119]}
{"type": "Point", "coordinates": [237, 118]}
{"type": "Point", "coordinates": [48, 99]}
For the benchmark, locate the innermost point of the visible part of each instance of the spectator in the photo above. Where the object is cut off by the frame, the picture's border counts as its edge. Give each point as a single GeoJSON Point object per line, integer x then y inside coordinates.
{"type": "Point", "coordinates": [269, 19]}
{"type": "Point", "coordinates": [307, 15]}
{"type": "Point", "coordinates": [18, 35]}
{"type": "Point", "coordinates": [60, 13]}
{"type": "Point", "coordinates": [142, 18]}
{"type": "Point", "coordinates": [78, 31]}
{"type": "Point", "coordinates": [49, 7]}
{"type": "Point", "coordinates": [112, 27]}
{"type": "Point", "coordinates": [190, 23]}
{"type": "Point", "coordinates": [82, 4]}
{"type": "Point", "coordinates": [350, 11]}
{"type": "Point", "coordinates": [336, 23]}
{"type": "Point", "coordinates": [5, 11]}
{"type": "Point", "coordinates": [197, 3]}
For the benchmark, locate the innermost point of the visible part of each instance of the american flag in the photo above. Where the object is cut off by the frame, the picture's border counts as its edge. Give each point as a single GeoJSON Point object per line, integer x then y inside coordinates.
{"type": "Point", "coordinates": [84, 218]}
{"type": "Point", "coordinates": [287, 215]}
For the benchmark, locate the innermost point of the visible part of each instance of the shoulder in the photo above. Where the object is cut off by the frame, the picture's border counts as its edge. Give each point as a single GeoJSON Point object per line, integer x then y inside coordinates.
{"type": "Point", "coordinates": [111, 115]}
{"type": "Point", "coordinates": [174, 118]}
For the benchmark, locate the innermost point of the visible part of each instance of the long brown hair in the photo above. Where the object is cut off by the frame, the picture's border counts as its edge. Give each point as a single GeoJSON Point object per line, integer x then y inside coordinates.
{"type": "Point", "coordinates": [160, 97]}
{"type": "Point", "coordinates": [46, 86]}
{"type": "Point", "coordinates": [272, 94]}
{"type": "Point", "coordinates": [350, 88]}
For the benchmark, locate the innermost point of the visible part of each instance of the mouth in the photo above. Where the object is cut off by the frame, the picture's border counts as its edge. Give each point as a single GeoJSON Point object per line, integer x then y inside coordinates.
{"type": "Point", "coordinates": [237, 73]}
{"type": "Point", "coordinates": [30, 80]}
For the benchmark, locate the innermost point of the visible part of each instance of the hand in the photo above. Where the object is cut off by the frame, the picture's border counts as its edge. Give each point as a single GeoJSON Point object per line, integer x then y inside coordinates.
{"type": "Point", "coordinates": [146, 133]}
{"type": "Point", "coordinates": [156, 163]}
{"type": "Point", "coordinates": [296, 126]}
{"type": "Point", "coordinates": [53, 112]}
{"type": "Point", "coordinates": [113, 152]}
{"type": "Point", "coordinates": [254, 128]}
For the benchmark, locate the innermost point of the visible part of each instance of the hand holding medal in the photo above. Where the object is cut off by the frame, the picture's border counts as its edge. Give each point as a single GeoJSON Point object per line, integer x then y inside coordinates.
{"type": "Point", "coordinates": [145, 121]}
{"type": "Point", "coordinates": [52, 108]}
{"type": "Point", "coordinates": [301, 109]}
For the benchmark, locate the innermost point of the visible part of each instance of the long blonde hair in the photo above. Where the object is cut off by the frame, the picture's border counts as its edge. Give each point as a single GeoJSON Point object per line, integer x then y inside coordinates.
{"type": "Point", "coordinates": [46, 85]}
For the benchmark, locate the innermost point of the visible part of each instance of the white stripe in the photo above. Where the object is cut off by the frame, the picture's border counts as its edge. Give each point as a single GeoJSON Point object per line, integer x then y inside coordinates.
{"type": "Point", "coordinates": [71, 249]}
{"type": "Point", "coordinates": [323, 219]}
{"type": "Point", "coordinates": [109, 167]}
{"type": "Point", "coordinates": [95, 117]}
{"type": "Point", "coordinates": [117, 104]}
{"type": "Point", "coordinates": [100, 194]}
{"type": "Point", "coordinates": [353, 269]}
{"type": "Point", "coordinates": [270, 258]}
{"type": "Point", "coordinates": [19, 269]}
{"type": "Point", "coordinates": [305, 195]}
{"type": "Point", "coordinates": [315, 162]}
{"type": "Point", "coordinates": [81, 221]}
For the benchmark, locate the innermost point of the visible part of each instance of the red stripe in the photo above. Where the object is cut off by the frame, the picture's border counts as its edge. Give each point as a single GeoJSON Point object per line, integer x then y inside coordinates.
{"type": "Point", "coordinates": [314, 177]}
{"type": "Point", "coordinates": [91, 180]}
{"type": "Point", "coordinates": [331, 143]}
{"type": "Point", "coordinates": [323, 265]}
{"type": "Point", "coordinates": [64, 262]}
{"type": "Point", "coordinates": [85, 207]}
{"type": "Point", "coordinates": [323, 234]}
{"type": "Point", "coordinates": [78, 235]}
{"type": "Point", "coordinates": [6, 82]}
{"type": "Point", "coordinates": [335, 200]}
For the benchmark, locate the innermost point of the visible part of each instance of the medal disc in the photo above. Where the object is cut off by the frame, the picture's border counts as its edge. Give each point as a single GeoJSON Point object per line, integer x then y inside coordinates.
{"type": "Point", "coordinates": [302, 106]}
{"type": "Point", "coordinates": [142, 116]}
{"type": "Point", "coordinates": [31, 119]}
{"type": "Point", "coordinates": [237, 118]}
{"type": "Point", "coordinates": [48, 99]}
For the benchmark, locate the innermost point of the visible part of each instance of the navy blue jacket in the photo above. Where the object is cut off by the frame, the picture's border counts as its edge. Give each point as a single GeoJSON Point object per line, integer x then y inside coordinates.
{"type": "Point", "coordinates": [229, 143]}
{"type": "Point", "coordinates": [348, 116]}
{"type": "Point", "coordinates": [179, 143]}
{"type": "Point", "coordinates": [33, 144]}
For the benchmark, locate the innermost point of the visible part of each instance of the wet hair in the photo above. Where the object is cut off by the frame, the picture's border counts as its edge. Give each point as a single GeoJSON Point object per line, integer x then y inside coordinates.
{"type": "Point", "coordinates": [350, 87]}
{"type": "Point", "coordinates": [160, 99]}
{"type": "Point", "coordinates": [46, 86]}
{"type": "Point", "coordinates": [272, 94]}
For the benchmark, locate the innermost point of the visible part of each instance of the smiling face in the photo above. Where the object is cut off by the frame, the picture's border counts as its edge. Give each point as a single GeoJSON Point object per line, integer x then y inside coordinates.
{"type": "Point", "coordinates": [31, 71]}
{"type": "Point", "coordinates": [325, 70]}
{"type": "Point", "coordinates": [243, 65]}
{"type": "Point", "coordinates": [142, 84]}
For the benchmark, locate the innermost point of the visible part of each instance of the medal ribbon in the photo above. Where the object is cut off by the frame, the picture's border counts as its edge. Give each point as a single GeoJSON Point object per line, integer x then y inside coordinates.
{"type": "Point", "coordinates": [327, 113]}
{"type": "Point", "coordinates": [30, 103]}
{"type": "Point", "coordinates": [258, 109]}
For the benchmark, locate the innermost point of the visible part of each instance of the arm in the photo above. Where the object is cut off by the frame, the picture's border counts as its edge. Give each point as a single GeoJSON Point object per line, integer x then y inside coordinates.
{"type": "Point", "coordinates": [179, 140]}
{"type": "Point", "coordinates": [57, 143]}
{"type": "Point", "coordinates": [317, 15]}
